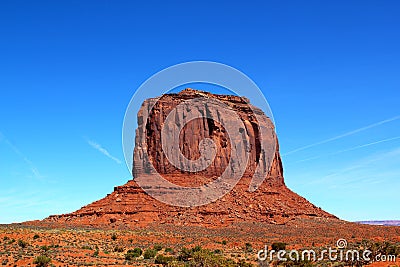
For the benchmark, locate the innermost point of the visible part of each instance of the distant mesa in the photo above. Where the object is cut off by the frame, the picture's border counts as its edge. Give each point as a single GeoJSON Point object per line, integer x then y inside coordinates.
{"type": "Point", "coordinates": [130, 206]}
{"type": "Point", "coordinates": [386, 223]}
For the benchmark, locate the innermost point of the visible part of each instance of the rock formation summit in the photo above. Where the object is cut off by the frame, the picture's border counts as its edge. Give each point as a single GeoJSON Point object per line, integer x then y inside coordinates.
{"type": "Point", "coordinates": [131, 206]}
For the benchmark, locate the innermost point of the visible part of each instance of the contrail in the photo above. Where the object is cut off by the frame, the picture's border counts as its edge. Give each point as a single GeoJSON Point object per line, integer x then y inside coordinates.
{"type": "Point", "coordinates": [32, 166]}
{"type": "Point", "coordinates": [350, 149]}
{"type": "Point", "coordinates": [102, 150]}
{"type": "Point", "coordinates": [342, 135]}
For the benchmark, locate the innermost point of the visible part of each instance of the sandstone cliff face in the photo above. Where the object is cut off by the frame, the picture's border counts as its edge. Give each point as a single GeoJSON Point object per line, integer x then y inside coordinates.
{"type": "Point", "coordinates": [130, 206]}
{"type": "Point", "coordinates": [148, 135]}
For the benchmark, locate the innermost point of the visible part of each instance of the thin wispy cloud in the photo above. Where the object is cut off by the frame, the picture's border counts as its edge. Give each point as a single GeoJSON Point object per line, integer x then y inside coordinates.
{"type": "Point", "coordinates": [364, 168]}
{"type": "Point", "coordinates": [102, 150]}
{"type": "Point", "coordinates": [32, 167]}
{"type": "Point", "coordinates": [351, 149]}
{"type": "Point", "coordinates": [342, 135]}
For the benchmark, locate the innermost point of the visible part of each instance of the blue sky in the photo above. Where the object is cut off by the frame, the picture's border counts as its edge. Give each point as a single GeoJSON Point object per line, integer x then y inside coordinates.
{"type": "Point", "coordinates": [68, 69]}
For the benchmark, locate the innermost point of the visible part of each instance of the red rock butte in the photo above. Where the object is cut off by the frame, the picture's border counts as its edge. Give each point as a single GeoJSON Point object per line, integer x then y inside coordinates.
{"type": "Point", "coordinates": [130, 206]}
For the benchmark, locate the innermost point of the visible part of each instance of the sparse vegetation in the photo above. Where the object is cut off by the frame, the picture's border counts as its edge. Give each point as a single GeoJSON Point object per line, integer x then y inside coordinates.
{"type": "Point", "coordinates": [22, 243]}
{"type": "Point", "coordinates": [42, 261]}
{"type": "Point", "coordinates": [164, 260]}
{"type": "Point", "coordinates": [169, 250]}
{"type": "Point", "coordinates": [206, 258]}
{"type": "Point", "coordinates": [198, 256]}
{"type": "Point", "coordinates": [75, 247]}
{"type": "Point", "coordinates": [248, 247]}
{"type": "Point", "coordinates": [218, 251]}
{"type": "Point", "coordinates": [149, 253]}
{"type": "Point", "coordinates": [44, 248]}
{"type": "Point", "coordinates": [118, 249]}
{"type": "Point", "coordinates": [196, 248]}
{"type": "Point", "coordinates": [134, 253]}
{"type": "Point", "coordinates": [114, 237]}
{"type": "Point", "coordinates": [184, 254]}
{"type": "Point", "coordinates": [158, 247]}
{"type": "Point", "coordinates": [278, 246]}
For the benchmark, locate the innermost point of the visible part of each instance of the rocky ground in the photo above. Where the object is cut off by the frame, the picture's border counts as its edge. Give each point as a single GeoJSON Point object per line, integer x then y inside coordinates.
{"type": "Point", "coordinates": [236, 245]}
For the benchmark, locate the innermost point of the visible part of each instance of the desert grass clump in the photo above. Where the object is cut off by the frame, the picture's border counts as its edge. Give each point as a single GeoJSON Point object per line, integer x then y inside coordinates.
{"type": "Point", "coordinates": [164, 260]}
{"type": "Point", "coordinates": [169, 250]}
{"type": "Point", "coordinates": [118, 249]}
{"type": "Point", "coordinates": [149, 253]}
{"type": "Point", "coordinates": [45, 248]}
{"type": "Point", "coordinates": [157, 247]}
{"type": "Point", "coordinates": [185, 254]}
{"type": "Point", "coordinates": [42, 261]}
{"type": "Point", "coordinates": [217, 251]}
{"type": "Point", "coordinates": [22, 243]}
{"type": "Point", "coordinates": [205, 257]}
{"type": "Point", "coordinates": [114, 237]}
{"type": "Point", "coordinates": [133, 253]}
{"type": "Point", "coordinates": [248, 247]}
{"type": "Point", "coordinates": [278, 246]}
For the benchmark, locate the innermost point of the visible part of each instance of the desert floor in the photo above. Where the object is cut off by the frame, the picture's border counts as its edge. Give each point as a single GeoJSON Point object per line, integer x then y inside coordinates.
{"type": "Point", "coordinates": [234, 245]}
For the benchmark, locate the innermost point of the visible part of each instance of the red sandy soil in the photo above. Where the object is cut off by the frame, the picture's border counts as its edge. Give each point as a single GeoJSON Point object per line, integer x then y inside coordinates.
{"type": "Point", "coordinates": [77, 246]}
